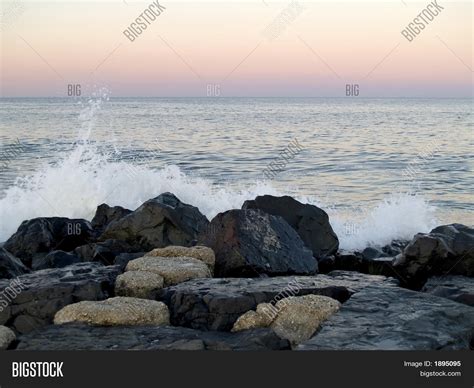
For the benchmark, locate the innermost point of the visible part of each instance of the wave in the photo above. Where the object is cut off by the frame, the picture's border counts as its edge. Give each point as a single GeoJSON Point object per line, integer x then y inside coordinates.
{"type": "Point", "coordinates": [86, 177]}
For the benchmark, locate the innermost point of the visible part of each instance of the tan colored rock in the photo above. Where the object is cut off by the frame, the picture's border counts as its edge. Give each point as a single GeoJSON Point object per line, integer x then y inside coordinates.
{"type": "Point", "coordinates": [299, 317]}
{"type": "Point", "coordinates": [118, 311]}
{"type": "Point", "coordinates": [138, 284]}
{"type": "Point", "coordinates": [253, 319]}
{"type": "Point", "coordinates": [294, 318]}
{"type": "Point", "coordinates": [199, 252]}
{"type": "Point", "coordinates": [174, 270]}
{"type": "Point", "coordinates": [7, 336]}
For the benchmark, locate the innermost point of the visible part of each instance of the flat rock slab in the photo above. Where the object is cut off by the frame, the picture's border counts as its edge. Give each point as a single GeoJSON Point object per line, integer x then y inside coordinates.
{"type": "Point", "coordinates": [391, 318]}
{"type": "Point", "coordinates": [42, 293]}
{"type": "Point", "coordinates": [174, 270]}
{"type": "Point", "coordinates": [215, 304]}
{"type": "Point", "coordinates": [457, 288]}
{"type": "Point", "coordinates": [83, 337]}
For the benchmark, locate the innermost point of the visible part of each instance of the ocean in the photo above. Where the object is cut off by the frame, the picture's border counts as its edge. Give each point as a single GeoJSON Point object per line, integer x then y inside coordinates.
{"type": "Point", "coordinates": [383, 169]}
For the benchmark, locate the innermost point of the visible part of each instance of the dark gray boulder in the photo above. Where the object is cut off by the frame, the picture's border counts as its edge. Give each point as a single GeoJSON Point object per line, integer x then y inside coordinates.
{"type": "Point", "coordinates": [55, 259]}
{"type": "Point", "coordinates": [457, 288]}
{"type": "Point", "coordinates": [10, 266]}
{"type": "Point", "coordinates": [45, 292]}
{"type": "Point", "coordinates": [251, 242]}
{"type": "Point", "coordinates": [392, 318]}
{"type": "Point", "coordinates": [215, 304]}
{"type": "Point", "coordinates": [310, 222]}
{"type": "Point", "coordinates": [447, 249]}
{"type": "Point", "coordinates": [104, 251]}
{"type": "Point", "coordinates": [106, 214]}
{"type": "Point", "coordinates": [39, 236]}
{"type": "Point", "coordinates": [84, 337]}
{"type": "Point", "coordinates": [159, 222]}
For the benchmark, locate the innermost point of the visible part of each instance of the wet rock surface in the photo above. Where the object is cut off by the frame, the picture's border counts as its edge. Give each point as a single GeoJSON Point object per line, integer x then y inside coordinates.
{"type": "Point", "coordinates": [42, 293]}
{"type": "Point", "coordinates": [392, 318]}
{"type": "Point", "coordinates": [457, 288]}
{"type": "Point", "coordinates": [10, 266]}
{"type": "Point", "coordinates": [447, 249]}
{"type": "Point", "coordinates": [248, 243]}
{"type": "Point", "coordinates": [159, 222]}
{"type": "Point", "coordinates": [39, 236]}
{"type": "Point", "coordinates": [83, 337]}
{"type": "Point", "coordinates": [215, 304]}
{"type": "Point", "coordinates": [310, 222]}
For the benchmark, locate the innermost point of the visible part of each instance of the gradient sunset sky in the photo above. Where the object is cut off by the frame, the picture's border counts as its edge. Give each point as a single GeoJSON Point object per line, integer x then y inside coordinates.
{"type": "Point", "coordinates": [193, 44]}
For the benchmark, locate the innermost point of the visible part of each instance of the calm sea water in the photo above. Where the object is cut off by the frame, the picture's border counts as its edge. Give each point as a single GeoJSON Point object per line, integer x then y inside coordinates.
{"type": "Point", "coordinates": [382, 168]}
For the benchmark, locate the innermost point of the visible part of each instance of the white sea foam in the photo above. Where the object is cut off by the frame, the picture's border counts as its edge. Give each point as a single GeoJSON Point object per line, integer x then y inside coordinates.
{"type": "Point", "coordinates": [75, 185]}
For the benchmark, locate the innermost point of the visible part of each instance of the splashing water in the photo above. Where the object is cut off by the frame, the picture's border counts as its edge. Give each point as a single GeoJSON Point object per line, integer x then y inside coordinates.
{"type": "Point", "coordinates": [86, 177]}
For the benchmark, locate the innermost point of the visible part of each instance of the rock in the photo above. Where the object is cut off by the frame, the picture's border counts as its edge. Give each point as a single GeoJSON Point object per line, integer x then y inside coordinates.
{"type": "Point", "coordinates": [446, 249]}
{"type": "Point", "coordinates": [123, 258]}
{"type": "Point", "coordinates": [159, 222]}
{"type": "Point", "coordinates": [215, 304]}
{"type": "Point", "coordinates": [118, 311]}
{"type": "Point", "coordinates": [382, 266]}
{"type": "Point", "coordinates": [255, 319]}
{"type": "Point", "coordinates": [7, 336]}
{"type": "Point", "coordinates": [248, 243]}
{"type": "Point", "coordinates": [298, 318]}
{"type": "Point", "coordinates": [393, 318]}
{"type": "Point", "coordinates": [327, 264]}
{"type": "Point", "coordinates": [85, 337]}
{"type": "Point", "coordinates": [39, 236]}
{"type": "Point", "coordinates": [10, 266]}
{"type": "Point", "coordinates": [349, 261]}
{"type": "Point", "coordinates": [294, 318]}
{"type": "Point", "coordinates": [457, 288]}
{"type": "Point", "coordinates": [310, 222]}
{"type": "Point", "coordinates": [371, 253]}
{"type": "Point", "coordinates": [42, 293]}
{"type": "Point", "coordinates": [395, 247]}
{"type": "Point", "coordinates": [138, 284]}
{"type": "Point", "coordinates": [106, 214]}
{"type": "Point", "coordinates": [174, 270]}
{"type": "Point", "coordinates": [105, 251]}
{"type": "Point", "coordinates": [55, 259]}
{"type": "Point", "coordinates": [205, 254]}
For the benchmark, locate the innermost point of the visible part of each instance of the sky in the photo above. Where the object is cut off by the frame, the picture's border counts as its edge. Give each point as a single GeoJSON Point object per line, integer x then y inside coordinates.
{"type": "Point", "coordinates": [236, 48]}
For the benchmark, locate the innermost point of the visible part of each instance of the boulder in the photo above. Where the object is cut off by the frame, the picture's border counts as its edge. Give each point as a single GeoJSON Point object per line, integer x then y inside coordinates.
{"type": "Point", "coordinates": [55, 259]}
{"type": "Point", "coordinates": [104, 251]}
{"type": "Point", "coordinates": [298, 318]}
{"type": "Point", "coordinates": [10, 266]}
{"type": "Point", "coordinates": [310, 222]}
{"type": "Point", "coordinates": [457, 288]}
{"type": "Point", "coordinates": [41, 294]}
{"type": "Point", "coordinates": [159, 222]}
{"type": "Point", "coordinates": [262, 317]}
{"type": "Point", "coordinates": [85, 337]}
{"type": "Point", "coordinates": [248, 243]}
{"type": "Point", "coordinates": [138, 284]}
{"type": "Point", "coordinates": [106, 214]}
{"type": "Point", "coordinates": [174, 270]}
{"type": "Point", "coordinates": [216, 303]}
{"type": "Point", "coordinates": [393, 318]}
{"type": "Point", "coordinates": [447, 249]}
{"type": "Point", "coordinates": [7, 336]}
{"type": "Point", "coordinates": [294, 318]}
{"type": "Point", "coordinates": [205, 254]}
{"type": "Point", "coordinates": [118, 311]}
{"type": "Point", "coordinates": [39, 236]}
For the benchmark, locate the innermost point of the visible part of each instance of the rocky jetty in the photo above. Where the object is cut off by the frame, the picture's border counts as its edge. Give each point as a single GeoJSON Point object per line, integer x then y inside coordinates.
{"type": "Point", "coordinates": [268, 276]}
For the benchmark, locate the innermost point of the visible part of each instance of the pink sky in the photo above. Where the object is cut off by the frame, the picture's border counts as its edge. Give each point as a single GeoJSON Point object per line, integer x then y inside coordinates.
{"type": "Point", "coordinates": [326, 45]}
